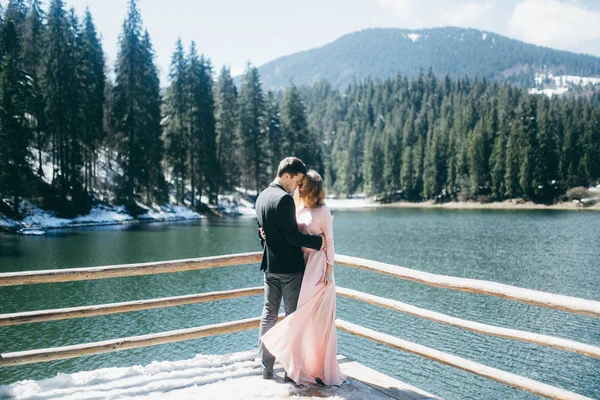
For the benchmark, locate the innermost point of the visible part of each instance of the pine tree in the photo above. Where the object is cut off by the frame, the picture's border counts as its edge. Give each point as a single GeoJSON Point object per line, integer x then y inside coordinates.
{"type": "Point", "coordinates": [203, 158]}
{"type": "Point", "coordinates": [60, 92]}
{"type": "Point", "coordinates": [273, 133]}
{"type": "Point", "coordinates": [137, 114]}
{"type": "Point", "coordinates": [476, 160]}
{"type": "Point", "coordinates": [93, 79]}
{"type": "Point", "coordinates": [294, 127]}
{"type": "Point", "coordinates": [153, 177]}
{"type": "Point", "coordinates": [110, 143]}
{"type": "Point", "coordinates": [391, 156]}
{"type": "Point", "coordinates": [497, 165]}
{"type": "Point", "coordinates": [16, 12]}
{"type": "Point", "coordinates": [526, 130]}
{"type": "Point", "coordinates": [177, 113]}
{"type": "Point", "coordinates": [32, 62]}
{"type": "Point", "coordinates": [252, 138]}
{"type": "Point", "coordinates": [75, 141]}
{"type": "Point", "coordinates": [591, 151]}
{"type": "Point", "coordinates": [225, 126]}
{"type": "Point", "coordinates": [373, 166]}
{"type": "Point", "coordinates": [571, 151]}
{"type": "Point", "coordinates": [407, 179]}
{"type": "Point", "coordinates": [14, 129]}
{"type": "Point", "coordinates": [545, 168]}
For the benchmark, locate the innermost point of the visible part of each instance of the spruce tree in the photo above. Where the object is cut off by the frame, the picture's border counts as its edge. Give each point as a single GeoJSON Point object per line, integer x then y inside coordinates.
{"type": "Point", "coordinates": [204, 167]}
{"type": "Point", "coordinates": [225, 126]}
{"type": "Point", "coordinates": [526, 130]}
{"type": "Point", "coordinates": [476, 160]}
{"type": "Point", "coordinates": [60, 92]}
{"type": "Point", "coordinates": [91, 67]}
{"type": "Point", "coordinates": [137, 115]}
{"type": "Point", "coordinates": [407, 178]}
{"type": "Point", "coordinates": [252, 138]}
{"type": "Point", "coordinates": [14, 127]}
{"type": "Point", "coordinates": [156, 189]}
{"type": "Point", "coordinates": [591, 150]}
{"type": "Point", "coordinates": [16, 12]}
{"type": "Point", "coordinates": [273, 133]}
{"type": "Point", "coordinates": [294, 127]}
{"type": "Point", "coordinates": [373, 165]}
{"type": "Point", "coordinates": [33, 45]}
{"type": "Point", "coordinates": [391, 155]}
{"type": "Point", "coordinates": [176, 127]}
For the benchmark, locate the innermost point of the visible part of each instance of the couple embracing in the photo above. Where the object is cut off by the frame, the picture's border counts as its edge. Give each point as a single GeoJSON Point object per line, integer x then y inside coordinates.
{"type": "Point", "coordinates": [298, 253]}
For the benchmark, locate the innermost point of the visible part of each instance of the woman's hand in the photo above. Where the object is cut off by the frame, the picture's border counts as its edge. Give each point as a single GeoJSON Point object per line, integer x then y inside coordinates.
{"type": "Point", "coordinates": [328, 276]}
{"type": "Point", "coordinates": [261, 232]}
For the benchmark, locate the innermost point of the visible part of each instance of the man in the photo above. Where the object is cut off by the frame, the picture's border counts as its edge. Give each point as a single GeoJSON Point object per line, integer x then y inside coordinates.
{"type": "Point", "coordinates": [282, 260]}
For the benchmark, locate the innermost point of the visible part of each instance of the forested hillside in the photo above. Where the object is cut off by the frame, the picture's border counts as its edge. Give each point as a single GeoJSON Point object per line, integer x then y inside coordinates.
{"type": "Point", "coordinates": [70, 137]}
{"type": "Point", "coordinates": [454, 139]}
{"type": "Point", "coordinates": [384, 52]}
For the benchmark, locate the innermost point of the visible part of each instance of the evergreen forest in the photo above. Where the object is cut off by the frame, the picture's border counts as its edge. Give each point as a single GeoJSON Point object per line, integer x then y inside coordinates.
{"type": "Point", "coordinates": [75, 131]}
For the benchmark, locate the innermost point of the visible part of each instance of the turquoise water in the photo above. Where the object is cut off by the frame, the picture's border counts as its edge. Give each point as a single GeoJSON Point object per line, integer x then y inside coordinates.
{"type": "Point", "coordinates": [553, 251]}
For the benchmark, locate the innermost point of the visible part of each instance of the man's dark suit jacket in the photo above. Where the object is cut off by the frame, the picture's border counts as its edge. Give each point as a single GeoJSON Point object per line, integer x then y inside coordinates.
{"type": "Point", "coordinates": [276, 214]}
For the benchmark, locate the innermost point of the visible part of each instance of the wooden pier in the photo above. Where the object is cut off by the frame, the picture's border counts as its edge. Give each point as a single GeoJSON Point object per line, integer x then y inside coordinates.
{"type": "Point", "coordinates": [362, 379]}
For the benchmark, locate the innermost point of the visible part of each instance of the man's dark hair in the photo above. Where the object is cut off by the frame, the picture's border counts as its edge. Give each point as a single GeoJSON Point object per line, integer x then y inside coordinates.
{"type": "Point", "coordinates": [292, 166]}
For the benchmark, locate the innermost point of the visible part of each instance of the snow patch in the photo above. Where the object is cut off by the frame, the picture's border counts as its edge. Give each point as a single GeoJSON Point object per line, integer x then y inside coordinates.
{"type": "Point", "coordinates": [548, 92]}
{"type": "Point", "coordinates": [168, 212]}
{"type": "Point", "coordinates": [413, 36]}
{"type": "Point", "coordinates": [36, 220]}
{"type": "Point", "coordinates": [550, 84]}
{"type": "Point", "coordinates": [202, 377]}
{"type": "Point", "coordinates": [483, 36]}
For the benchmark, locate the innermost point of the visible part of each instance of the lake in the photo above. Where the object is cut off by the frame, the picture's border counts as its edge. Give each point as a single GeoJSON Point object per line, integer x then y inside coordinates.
{"type": "Point", "coordinates": [552, 251]}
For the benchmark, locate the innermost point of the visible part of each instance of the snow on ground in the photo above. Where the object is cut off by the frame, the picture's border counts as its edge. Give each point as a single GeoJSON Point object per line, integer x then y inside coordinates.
{"type": "Point", "coordinates": [550, 85]}
{"type": "Point", "coordinates": [168, 213]}
{"type": "Point", "coordinates": [548, 92]}
{"type": "Point", "coordinates": [37, 220]}
{"type": "Point", "coordinates": [413, 36]}
{"type": "Point", "coordinates": [208, 377]}
{"type": "Point", "coordinates": [99, 214]}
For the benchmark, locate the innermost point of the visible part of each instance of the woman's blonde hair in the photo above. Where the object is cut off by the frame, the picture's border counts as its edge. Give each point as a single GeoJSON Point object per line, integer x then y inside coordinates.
{"type": "Point", "coordinates": [313, 195]}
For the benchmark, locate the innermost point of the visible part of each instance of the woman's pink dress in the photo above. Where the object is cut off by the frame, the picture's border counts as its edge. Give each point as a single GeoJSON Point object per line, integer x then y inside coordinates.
{"type": "Point", "coordinates": [306, 341]}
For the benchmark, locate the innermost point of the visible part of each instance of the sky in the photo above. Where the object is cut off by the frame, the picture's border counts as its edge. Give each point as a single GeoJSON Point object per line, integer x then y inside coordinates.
{"type": "Point", "coordinates": [235, 32]}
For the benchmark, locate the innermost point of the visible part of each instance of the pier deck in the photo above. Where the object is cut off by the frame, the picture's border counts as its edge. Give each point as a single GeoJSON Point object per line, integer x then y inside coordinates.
{"type": "Point", "coordinates": [234, 376]}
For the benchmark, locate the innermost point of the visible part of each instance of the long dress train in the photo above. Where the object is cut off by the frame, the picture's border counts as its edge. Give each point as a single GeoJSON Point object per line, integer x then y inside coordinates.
{"type": "Point", "coordinates": [305, 342]}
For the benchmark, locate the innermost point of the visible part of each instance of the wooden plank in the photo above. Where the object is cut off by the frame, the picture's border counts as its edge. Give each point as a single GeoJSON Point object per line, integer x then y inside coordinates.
{"type": "Point", "coordinates": [61, 353]}
{"type": "Point", "coordinates": [104, 309]}
{"type": "Point", "coordinates": [507, 378]}
{"type": "Point", "coordinates": [538, 298]}
{"type": "Point", "coordinates": [575, 305]}
{"type": "Point", "coordinates": [515, 334]}
{"type": "Point", "coordinates": [116, 271]}
{"type": "Point", "coordinates": [384, 383]}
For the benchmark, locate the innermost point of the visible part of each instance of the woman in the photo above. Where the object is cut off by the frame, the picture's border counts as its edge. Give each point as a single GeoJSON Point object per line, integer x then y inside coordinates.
{"type": "Point", "coordinates": [306, 341]}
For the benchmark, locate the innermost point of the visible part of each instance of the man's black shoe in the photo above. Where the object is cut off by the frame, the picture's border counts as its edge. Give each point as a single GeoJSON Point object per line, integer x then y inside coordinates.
{"type": "Point", "coordinates": [319, 382]}
{"type": "Point", "coordinates": [267, 374]}
{"type": "Point", "coordinates": [287, 379]}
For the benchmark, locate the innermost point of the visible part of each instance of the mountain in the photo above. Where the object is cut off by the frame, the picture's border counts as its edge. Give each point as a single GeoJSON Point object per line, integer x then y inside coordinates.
{"type": "Point", "coordinates": [383, 52]}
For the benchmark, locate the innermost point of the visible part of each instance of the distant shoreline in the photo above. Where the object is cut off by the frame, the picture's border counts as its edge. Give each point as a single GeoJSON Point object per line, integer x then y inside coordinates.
{"type": "Point", "coordinates": [505, 205]}
{"type": "Point", "coordinates": [334, 204]}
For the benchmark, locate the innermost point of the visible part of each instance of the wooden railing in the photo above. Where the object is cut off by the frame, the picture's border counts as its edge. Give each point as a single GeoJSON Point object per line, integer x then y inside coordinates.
{"type": "Point", "coordinates": [557, 302]}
